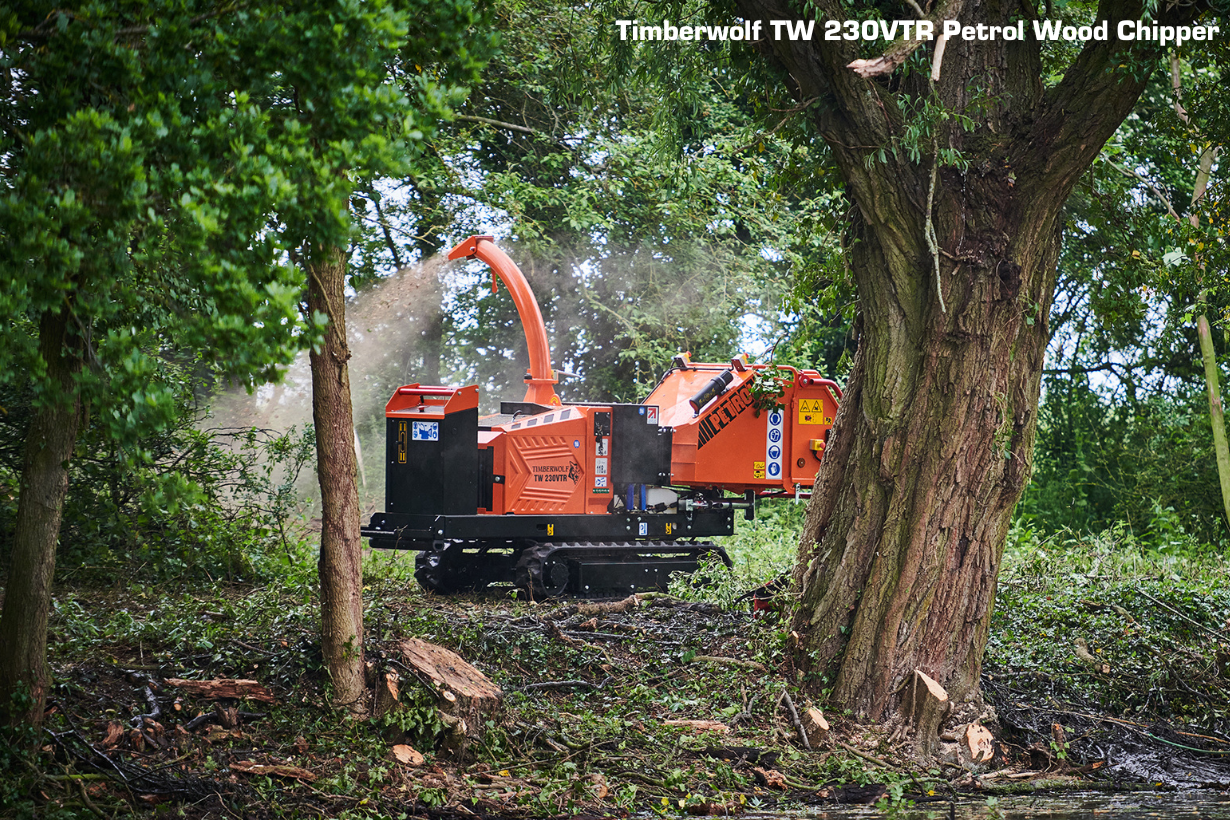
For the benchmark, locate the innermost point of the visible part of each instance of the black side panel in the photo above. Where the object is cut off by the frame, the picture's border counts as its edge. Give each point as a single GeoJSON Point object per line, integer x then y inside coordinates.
{"type": "Point", "coordinates": [436, 471]}
{"type": "Point", "coordinates": [486, 477]}
{"type": "Point", "coordinates": [640, 449]}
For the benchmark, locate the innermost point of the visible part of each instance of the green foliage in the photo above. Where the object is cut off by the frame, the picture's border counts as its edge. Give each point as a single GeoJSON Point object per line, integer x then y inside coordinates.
{"type": "Point", "coordinates": [1148, 464]}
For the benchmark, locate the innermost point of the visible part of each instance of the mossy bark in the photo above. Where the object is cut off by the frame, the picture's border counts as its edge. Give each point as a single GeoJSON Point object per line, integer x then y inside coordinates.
{"type": "Point", "coordinates": [933, 443]}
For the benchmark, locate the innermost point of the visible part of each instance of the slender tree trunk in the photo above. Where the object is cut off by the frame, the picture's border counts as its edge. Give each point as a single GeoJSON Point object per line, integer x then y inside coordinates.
{"type": "Point", "coordinates": [341, 575]}
{"type": "Point", "coordinates": [1216, 411]}
{"type": "Point", "coordinates": [44, 484]}
{"type": "Point", "coordinates": [429, 244]}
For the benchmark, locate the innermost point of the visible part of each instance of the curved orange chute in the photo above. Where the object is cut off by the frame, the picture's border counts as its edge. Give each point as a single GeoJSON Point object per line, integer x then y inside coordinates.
{"type": "Point", "coordinates": [541, 379]}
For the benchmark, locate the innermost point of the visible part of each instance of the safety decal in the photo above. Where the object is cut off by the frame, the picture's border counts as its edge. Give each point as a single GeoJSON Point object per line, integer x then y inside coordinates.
{"type": "Point", "coordinates": [425, 431]}
{"type": "Point", "coordinates": [757, 469]}
{"type": "Point", "coordinates": [401, 442]}
{"type": "Point", "coordinates": [599, 481]}
{"type": "Point", "coordinates": [642, 528]}
{"type": "Point", "coordinates": [811, 411]}
{"type": "Point", "coordinates": [600, 465]}
{"type": "Point", "coordinates": [651, 415]}
{"type": "Point", "coordinates": [602, 447]}
{"type": "Point", "coordinates": [773, 445]}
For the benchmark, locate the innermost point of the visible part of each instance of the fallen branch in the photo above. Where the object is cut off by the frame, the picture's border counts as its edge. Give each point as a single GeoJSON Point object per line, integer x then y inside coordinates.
{"type": "Point", "coordinates": [224, 688]}
{"type": "Point", "coordinates": [869, 758]}
{"type": "Point", "coordinates": [561, 684]}
{"type": "Point", "coordinates": [759, 667]}
{"type": "Point", "coordinates": [798, 724]}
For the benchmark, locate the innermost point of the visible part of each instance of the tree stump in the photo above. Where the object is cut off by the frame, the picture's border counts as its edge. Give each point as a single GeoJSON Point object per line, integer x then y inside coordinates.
{"type": "Point", "coordinates": [465, 696]}
{"type": "Point", "coordinates": [926, 703]}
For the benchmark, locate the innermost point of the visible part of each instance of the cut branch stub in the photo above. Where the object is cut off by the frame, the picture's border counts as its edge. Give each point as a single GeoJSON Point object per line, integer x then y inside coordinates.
{"type": "Point", "coordinates": [388, 693]}
{"type": "Point", "coordinates": [926, 704]}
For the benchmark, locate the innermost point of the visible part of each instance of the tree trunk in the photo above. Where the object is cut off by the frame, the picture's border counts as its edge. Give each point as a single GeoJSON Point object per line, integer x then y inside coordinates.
{"type": "Point", "coordinates": [44, 484]}
{"type": "Point", "coordinates": [341, 574]}
{"type": "Point", "coordinates": [1216, 413]}
{"type": "Point", "coordinates": [932, 449]}
{"type": "Point", "coordinates": [955, 271]}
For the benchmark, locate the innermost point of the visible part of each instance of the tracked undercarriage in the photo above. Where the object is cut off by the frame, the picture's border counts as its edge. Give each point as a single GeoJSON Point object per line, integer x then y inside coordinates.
{"type": "Point", "coordinates": [589, 569]}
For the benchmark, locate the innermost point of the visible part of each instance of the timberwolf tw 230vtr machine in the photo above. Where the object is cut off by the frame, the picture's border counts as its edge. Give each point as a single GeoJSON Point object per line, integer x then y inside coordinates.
{"type": "Point", "coordinates": [589, 499]}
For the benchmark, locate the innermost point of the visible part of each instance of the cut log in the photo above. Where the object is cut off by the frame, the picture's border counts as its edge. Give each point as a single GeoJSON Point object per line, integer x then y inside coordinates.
{"type": "Point", "coordinates": [448, 672]}
{"type": "Point", "coordinates": [926, 704]}
{"type": "Point", "coordinates": [769, 778]}
{"type": "Point", "coordinates": [224, 688]}
{"type": "Point", "coordinates": [978, 745]}
{"type": "Point", "coordinates": [388, 694]}
{"type": "Point", "coordinates": [115, 731]}
{"type": "Point", "coordinates": [606, 607]}
{"type": "Point", "coordinates": [227, 716]}
{"type": "Point", "coordinates": [815, 725]}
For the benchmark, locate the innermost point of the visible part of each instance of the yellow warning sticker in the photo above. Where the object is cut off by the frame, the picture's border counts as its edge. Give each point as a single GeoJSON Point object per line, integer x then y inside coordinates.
{"type": "Point", "coordinates": [811, 411]}
{"type": "Point", "coordinates": [757, 469]}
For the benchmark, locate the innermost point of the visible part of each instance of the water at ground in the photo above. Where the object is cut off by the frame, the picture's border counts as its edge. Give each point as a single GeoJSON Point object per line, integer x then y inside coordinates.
{"type": "Point", "coordinates": [1214, 805]}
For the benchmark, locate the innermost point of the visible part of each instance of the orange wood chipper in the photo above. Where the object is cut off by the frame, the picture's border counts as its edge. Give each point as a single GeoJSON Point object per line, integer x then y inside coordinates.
{"type": "Point", "coordinates": [590, 499]}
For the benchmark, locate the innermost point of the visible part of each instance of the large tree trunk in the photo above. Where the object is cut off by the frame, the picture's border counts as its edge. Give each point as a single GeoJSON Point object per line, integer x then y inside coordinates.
{"type": "Point", "coordinates": [933, 443]}
{"type": "Point", "coordinates": [341, 574]}
{"type": "Point", "coordinates": [44, 484]}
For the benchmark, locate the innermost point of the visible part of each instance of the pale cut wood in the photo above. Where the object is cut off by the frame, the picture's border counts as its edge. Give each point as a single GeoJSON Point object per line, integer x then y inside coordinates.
{"type": "Point", "coordinates": [978, 743]}
{"type": "Point", "coordinates": [388, 694]}
{"type": "Point", "coordinates": [115, 731]}
{"type": "Point", "coordinates": [815, 725]}
{"type": "Point", "coordinates": [700, 725]}
{"type": "Point", "coordinates": [408, 755]}
{"type": "Point", "coordinates": [240, 689]}
{"type": "Point", "coordinates": [449, 673]}
{"type": "Point", "coordinates": [926, 704]}
{"type": "Point", "coordinates": [276, 770]}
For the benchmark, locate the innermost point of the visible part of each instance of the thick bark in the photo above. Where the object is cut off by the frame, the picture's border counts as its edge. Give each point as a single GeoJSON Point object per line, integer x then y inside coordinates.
{"type": "Point", "coordinates": [44, 484]}
{"type": "Point", "coordinates": [933, 443]}
{"type": "Point", "coordinates": [341, 574]}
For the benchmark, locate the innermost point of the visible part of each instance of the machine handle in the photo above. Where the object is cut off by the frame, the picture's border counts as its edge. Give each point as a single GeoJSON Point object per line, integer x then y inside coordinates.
{"type": "Point", "coordinates": [716, 387]}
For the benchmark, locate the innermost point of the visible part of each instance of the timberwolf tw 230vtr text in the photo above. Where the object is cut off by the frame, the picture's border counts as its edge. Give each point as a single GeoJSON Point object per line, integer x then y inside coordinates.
{"type": "Point", "coordinates": [589, 499]}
